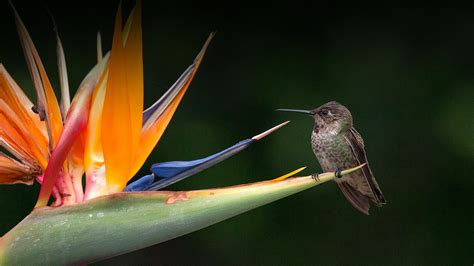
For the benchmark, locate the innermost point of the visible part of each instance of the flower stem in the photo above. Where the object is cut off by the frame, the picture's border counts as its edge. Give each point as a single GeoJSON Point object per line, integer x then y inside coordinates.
{"type": "Point", "coordinates": [119, 223]}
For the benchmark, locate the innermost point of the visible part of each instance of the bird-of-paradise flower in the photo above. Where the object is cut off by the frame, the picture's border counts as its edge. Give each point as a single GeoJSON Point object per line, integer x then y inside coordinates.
{"type": "Point", "coordinates": [82, 136]}
{"type": "Point", "coordinates": [57, 143]}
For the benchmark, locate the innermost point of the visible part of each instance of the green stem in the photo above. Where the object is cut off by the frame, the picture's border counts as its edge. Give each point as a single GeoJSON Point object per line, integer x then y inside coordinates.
{"type": "Point", "coordinates": [119, 223]}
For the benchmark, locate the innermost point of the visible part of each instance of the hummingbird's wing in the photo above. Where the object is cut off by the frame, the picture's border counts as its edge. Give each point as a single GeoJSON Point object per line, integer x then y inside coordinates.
{"type": "Point", "coordinates": [356, 143]}
{"type": "Point", "coordinates": [357, 199]}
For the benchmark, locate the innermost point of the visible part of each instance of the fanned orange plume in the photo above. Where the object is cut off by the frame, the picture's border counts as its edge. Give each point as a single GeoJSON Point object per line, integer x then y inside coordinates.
{"type": "Point", "coordinates": [16, 134]}
{"type": "Point", "coordinates": [19, 122]}
{"type": "Point", "coordinates": [123, 103]}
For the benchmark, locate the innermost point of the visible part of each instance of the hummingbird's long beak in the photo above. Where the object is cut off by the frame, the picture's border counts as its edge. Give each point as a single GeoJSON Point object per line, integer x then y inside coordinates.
{"type": "Point", "coordinates": [296, 111]}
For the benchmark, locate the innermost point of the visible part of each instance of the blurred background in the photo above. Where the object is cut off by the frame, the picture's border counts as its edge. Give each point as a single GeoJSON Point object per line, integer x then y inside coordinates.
{"type": "Point", "coordinates": [407, 75]}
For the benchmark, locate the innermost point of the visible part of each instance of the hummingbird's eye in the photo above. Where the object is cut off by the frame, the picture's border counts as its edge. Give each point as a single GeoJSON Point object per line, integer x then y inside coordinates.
{"type": "Point", "coordinates": [324, 112]}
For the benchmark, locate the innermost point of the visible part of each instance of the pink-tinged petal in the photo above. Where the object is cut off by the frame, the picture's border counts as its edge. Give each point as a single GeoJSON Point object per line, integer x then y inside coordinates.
{"type": "Point", "coordinates": [57, 197]}
{"type": "Point", "coordinates": [74, 126]}
{"type": "Point", "coordinates": [76, 167]}
{"type": "Point", "coordinates": [94, 165]}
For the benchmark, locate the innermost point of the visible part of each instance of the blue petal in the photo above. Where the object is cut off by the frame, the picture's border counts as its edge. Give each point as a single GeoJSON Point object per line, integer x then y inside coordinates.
{"type": "Point", "coordinates": [171, 172]}
{"type": "Point", "coordinates": [141, 184]}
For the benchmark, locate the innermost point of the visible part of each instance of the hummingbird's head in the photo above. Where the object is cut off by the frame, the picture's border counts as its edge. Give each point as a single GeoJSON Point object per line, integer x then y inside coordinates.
{"type": "Point", "coordinates": [332, 116]}
{"type": "Point", "coordinates": [329, 117]}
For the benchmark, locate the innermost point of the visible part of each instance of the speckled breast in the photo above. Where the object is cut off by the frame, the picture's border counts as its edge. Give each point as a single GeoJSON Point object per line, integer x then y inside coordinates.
{"type": "Point", "coordinates": [332, 151]}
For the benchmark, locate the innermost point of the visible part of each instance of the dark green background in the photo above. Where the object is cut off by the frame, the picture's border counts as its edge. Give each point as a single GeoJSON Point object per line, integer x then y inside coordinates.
{"type": "Point", "coordinates": [407, 75]}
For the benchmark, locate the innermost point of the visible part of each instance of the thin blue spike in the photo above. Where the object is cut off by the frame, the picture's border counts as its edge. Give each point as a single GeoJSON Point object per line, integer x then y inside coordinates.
{"type": "Point", "coordinates": [172, 172]}
{"type": "Point", "coordinates": [140, 184]}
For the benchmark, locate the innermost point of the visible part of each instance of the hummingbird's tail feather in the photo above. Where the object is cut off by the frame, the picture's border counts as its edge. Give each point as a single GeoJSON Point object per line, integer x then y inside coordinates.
{"type": "Point", "coordinates": [357, 199]}
{"type": "Point", "coordinates": [355, 141]}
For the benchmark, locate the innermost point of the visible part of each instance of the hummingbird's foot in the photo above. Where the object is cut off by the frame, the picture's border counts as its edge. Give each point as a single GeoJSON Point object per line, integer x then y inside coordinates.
{"type": "Point", "coordinates": [338, 173]}
{"type": "Point", "coordinates": [315, 176]}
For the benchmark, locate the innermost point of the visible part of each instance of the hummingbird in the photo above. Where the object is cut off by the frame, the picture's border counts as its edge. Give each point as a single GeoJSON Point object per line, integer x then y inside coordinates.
{"type": "Point", "coordinates": [337, 145]}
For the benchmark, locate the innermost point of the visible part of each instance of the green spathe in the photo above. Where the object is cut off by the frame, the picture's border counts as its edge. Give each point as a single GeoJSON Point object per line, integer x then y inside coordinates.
{"type": "Point", "coordinates": [119, 223]}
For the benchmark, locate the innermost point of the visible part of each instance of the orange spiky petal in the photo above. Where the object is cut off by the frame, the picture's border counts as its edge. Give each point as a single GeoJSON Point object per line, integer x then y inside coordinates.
{"type": "Point", "coordinates": [17, 135]}
{"type": "Point", "coordinates": [151, 136]}
{"type": "Point", "coordinates": [154, 128]}
{"type": "Point", "coordinates": [133, 56]}
{"type": "Point", "coordinates": [290, 174]}
{"type": "Point", "coordinates": [17, 106]}
{"type": "Point", "coordinates": [123, 104]}
{"type": "Point", "coordinates": [47, 102]}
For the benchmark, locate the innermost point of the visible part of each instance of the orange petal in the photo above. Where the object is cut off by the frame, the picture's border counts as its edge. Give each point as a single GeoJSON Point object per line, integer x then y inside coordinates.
{"type": "Point", "coordinates": [76, 168]}
{"type": "Point", "coordinates": [152, 135]}
{"type": "Point", "coordinates": [159, 115]}
{"type": "Point", "coordinates": [18, 101]}
{"type": "Point", "coordinates": [13, 172]}
{"type": "Point", "coordinates": [48, 106]}
{"type": "Point", "coordinates": [13, 141]}
{"type": "Point", "coordinates": [17, 106]}
{"type": "Point", "coordinates": [123, 103]}
{"type": "Point", "coordinates": [133, 55]}
{"type": "Point", "coordinates": [290, 174]}
{"type": "Point", "coordinates": [17, 136]}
